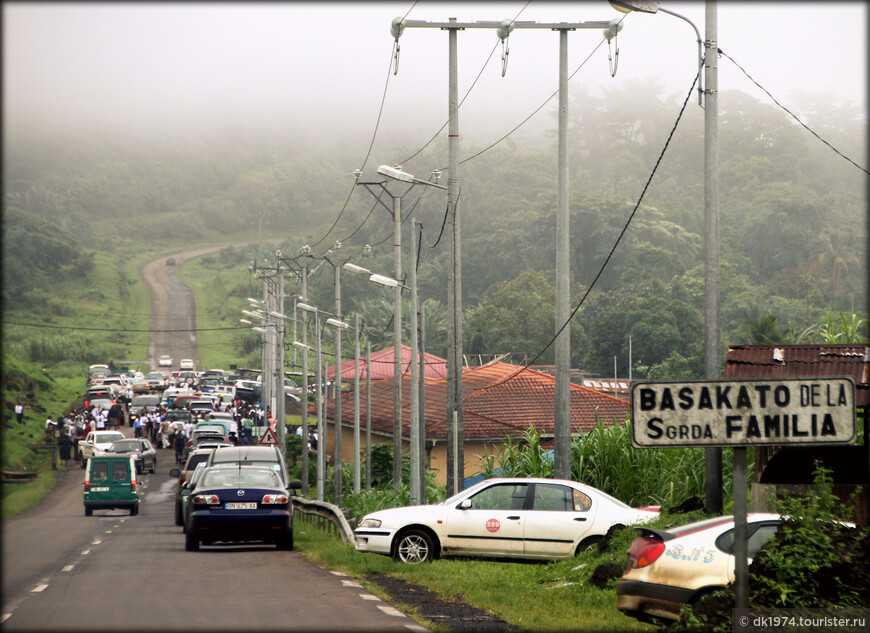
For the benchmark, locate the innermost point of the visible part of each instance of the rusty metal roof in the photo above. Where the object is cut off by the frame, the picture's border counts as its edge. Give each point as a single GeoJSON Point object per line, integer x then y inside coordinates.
{"type": "Point", "coordinates": [803, 361]}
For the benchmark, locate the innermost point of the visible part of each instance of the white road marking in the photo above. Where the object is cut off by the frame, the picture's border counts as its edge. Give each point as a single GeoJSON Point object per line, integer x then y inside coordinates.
{"type": "Point", "coordinates": [369, 596]}
{"type": "Point", "coordinates": [391, 611]}
{"type": "Point", "coordinates": [68, 568]}
{"type": "Point", "coordinates": [351, 583]}
{"type": "Point", "coordinates": [108, 532]}
{"type": "Point", "coordinates": [85, 552]}
{"type": "Point", "coordinates": [337, 573]}
{"type": "Point", "coordinates": [96, 541]}
{"type": "Point", "coordinates": [38, 588]}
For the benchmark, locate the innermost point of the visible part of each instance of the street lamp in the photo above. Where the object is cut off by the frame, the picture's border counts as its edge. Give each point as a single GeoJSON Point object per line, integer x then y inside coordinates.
{"type": "Point", "coordinates": [417, 479]}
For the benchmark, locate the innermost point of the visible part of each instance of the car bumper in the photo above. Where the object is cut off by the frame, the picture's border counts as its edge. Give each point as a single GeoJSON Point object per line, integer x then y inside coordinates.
{"type": "Point", "coordinates": [637, 598]}
{"type": "Point", "coordinates": [375, 541]}
{"type": "Point", "coordinates": [239, 527]}
{"type": "Point", "coordinates": [108, 505]}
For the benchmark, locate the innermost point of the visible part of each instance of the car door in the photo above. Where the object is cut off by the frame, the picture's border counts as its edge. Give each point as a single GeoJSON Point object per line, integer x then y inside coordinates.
{"type": "Point", "coordinates": [560, 516]}
{"type": "Point", "coordinates": [490, 522]}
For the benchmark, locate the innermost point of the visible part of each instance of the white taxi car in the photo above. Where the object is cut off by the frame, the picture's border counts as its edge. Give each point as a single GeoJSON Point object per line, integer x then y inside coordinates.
{"type": "Point", "coordinates": [669, 569]}
{"type": "Point", "coordinates": [516, 518]}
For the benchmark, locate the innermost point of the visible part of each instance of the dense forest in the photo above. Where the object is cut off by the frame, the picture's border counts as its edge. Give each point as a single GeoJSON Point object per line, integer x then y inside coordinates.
{"type": "Point", "coordinates": [793, 241]}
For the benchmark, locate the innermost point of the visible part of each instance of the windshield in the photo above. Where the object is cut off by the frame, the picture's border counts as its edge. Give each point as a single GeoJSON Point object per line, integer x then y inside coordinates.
{"type": "Point", "coordinates": [108, 437]}
{"type": "Point", "coordinates": [124, 446]}
{"type": "Point", "coordinates": [240, 478]}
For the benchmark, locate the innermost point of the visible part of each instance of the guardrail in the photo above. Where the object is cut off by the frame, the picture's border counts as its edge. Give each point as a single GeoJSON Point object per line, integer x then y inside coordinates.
{"type": "Point", "coordinates": [323, 514]}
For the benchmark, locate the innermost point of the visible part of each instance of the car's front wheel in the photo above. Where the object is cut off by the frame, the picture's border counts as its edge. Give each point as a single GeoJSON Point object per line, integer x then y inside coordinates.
{"type": "Point", "coordinates": [414, 547]}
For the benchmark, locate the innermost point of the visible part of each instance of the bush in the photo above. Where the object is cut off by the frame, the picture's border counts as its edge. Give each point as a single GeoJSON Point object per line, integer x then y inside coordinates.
{"type": "Point", "coordinates": [814, 561]}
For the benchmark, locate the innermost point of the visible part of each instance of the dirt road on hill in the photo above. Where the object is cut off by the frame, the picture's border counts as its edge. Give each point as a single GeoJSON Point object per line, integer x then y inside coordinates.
{"type": "Point", "coordinates": [173, 309]}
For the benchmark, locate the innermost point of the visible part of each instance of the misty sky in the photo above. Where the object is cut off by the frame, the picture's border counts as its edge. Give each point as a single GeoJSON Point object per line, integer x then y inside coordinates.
{"type": "Point", "coordinates": [324, 66]}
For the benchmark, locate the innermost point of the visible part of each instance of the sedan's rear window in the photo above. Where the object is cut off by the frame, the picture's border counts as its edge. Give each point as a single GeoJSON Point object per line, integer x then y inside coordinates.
{"type": "Point", "coordinates": [240, 478]}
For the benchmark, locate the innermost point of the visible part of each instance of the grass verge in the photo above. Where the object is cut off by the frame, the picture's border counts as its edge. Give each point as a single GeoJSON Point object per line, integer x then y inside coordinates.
{"type": "Point", "coordinates": [534, 596]}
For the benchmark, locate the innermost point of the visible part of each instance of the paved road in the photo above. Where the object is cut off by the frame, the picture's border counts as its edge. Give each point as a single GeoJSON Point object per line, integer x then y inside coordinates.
{"type": "Point", "coordinates": [114, 572]}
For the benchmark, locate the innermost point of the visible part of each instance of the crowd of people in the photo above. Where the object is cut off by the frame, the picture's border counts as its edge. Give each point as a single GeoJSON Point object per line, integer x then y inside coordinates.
{"type": "Point", "coordinates": [245, 427]}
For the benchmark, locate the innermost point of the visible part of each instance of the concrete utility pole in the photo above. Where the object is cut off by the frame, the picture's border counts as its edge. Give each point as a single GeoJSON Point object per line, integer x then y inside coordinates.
{"type": "Point", "coordinates": [305, 466]}
{"type": "Point", "coordinates": [455, 427]}
{"type": "Point", "coordinates": [356, 446]}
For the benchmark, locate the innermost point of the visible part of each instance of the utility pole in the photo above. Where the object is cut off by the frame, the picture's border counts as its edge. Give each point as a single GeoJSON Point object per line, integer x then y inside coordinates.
{"type": "Point", "coordinates": [455, 407]}
{"type": "Point", "coordinates": [337, 440]}
{"type": "Point", "coordinates": [356, 447]}
{"type": "Point", "coordinates": [712, 371]}
{"type": "Point", "coordinates": [562, 423]}
{"type": "Point", "coordinates": [305, 466]}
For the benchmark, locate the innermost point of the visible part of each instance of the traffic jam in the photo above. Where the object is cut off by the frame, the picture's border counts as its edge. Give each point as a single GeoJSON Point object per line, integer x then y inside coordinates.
{"type": "Point", "coordinates": [230, 487]}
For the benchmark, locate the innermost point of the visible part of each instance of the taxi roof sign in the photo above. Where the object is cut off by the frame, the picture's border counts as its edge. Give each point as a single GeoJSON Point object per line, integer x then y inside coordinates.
{"type": "Point", "coordinates": [743, 412]}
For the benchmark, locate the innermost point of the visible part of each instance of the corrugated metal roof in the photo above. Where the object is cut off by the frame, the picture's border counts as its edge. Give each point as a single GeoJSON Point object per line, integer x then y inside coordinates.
{"type": "Point", "coordinates": [802, 361]}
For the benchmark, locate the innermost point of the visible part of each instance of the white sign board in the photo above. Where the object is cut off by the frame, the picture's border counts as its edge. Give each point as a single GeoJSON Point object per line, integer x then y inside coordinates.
{"type": "Point", "coordinates": [743, 412]}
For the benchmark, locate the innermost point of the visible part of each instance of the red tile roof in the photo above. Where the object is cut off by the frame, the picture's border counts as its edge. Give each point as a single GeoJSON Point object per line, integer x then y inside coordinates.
{"type": "Point", "coordinates": [498, 402]}
{"type": "Point", "coordinates": [382, 365]}
{"type": "Point", "coordinates": [803, 361]}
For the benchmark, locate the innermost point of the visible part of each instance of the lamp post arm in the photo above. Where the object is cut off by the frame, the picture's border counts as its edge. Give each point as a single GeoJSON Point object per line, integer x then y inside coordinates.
{"type": "Point", "coordinates": [700, 51]}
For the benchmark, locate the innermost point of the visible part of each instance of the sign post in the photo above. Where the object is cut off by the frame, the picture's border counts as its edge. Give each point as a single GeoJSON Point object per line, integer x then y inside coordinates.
{"type": "Point", "coordinates": [741, 413]}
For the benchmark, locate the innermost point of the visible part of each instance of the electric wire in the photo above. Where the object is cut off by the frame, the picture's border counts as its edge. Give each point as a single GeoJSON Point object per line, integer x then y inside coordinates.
{"type": "Point", "coordinates": [789, 112]}
{"type": "Point", "coordinates": [371, 143]}
{"type": "Point", "coordinates": [470, 88]}
{"type": "Point", "coordinates": [612, 250]}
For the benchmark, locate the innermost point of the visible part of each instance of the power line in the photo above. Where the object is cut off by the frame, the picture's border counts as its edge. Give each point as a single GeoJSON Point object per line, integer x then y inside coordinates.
{"type": "Point", "coordinates": [790, 113]}
{"type": "Point", "coordinates": [613, 249]}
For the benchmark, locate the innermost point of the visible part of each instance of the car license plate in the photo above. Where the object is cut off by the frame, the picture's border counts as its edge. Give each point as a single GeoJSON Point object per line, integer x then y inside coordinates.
{"type": "Point", "coordinates": [245, 505]}
{"type": "Point", "coordinates": [100, 489]}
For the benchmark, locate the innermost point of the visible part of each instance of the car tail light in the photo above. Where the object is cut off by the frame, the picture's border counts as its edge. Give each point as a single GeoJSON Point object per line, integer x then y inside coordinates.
{"type": "Point", "coordinates": [275, 499]}
{"type": "Point", "coordinates": [133, 486]}
{"type": "Point", "coordinates": [644, 551]}
{"type": "Point", "coordinates": [206, 499]}
{"type": "Point", "coordinates": [190, 442]}
{"type": "Point", "coordinates": [87, 486]}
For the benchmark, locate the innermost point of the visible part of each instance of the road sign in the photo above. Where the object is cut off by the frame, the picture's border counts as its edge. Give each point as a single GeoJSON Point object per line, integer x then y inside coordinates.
{"type": "Point", "coordinates": [268, 438]}
{"type": "Point", "coordinates": [743, 412]}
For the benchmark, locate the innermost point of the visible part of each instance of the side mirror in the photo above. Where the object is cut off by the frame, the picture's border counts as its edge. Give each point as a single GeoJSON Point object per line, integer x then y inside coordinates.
{"type": "Point", "coordinates": [295, 484]}
{"type": "Point", "coordinates": [465, 505]}
{"type": "Point", "coordinates": [175, 472]}
{"type": "Point", "coordinates": [185, 492]}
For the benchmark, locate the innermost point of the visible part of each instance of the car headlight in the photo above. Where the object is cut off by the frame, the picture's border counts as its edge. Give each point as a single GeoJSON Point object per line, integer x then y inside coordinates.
{"type": "Point", "coordinates": [370, 523]}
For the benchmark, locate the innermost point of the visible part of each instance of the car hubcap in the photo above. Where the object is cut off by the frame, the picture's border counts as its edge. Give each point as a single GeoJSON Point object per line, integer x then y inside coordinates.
{"type": "Point", "coordinates": [413, 549]}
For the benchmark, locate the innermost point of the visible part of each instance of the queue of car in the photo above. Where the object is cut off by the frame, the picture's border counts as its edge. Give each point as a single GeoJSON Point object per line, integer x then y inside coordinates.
{"type": "Point", "coordinates": [242, 494]}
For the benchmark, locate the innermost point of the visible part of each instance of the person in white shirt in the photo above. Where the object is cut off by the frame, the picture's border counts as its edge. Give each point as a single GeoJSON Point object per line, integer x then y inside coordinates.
{"type": "Point", "coordinates": [188, 428]}
{"type": "Point", "coordinates": [100, 420]}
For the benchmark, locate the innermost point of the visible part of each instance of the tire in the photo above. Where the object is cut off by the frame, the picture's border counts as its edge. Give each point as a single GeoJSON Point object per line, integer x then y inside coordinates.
{"type": "Point", "coordinates": [89, 511]}
{"type": "Point", "coordinates": [134, 510]}
{"type": "Point", "coordinates": [414, 547]}
{"type": "Point", "coordinates": [588, 544]}
{"type": "Point", "coordinates": [179, 520]}
{"type": "Point", "coordinates": [83, 460]}
{"type": "Point", "coordinates": [285, 542]}
{"type": "Point", "coordinates": [153, 468]}
{"type": "Point", "coordinates": [191, 543]}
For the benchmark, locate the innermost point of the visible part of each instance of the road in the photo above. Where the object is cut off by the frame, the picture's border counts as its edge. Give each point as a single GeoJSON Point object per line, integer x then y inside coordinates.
{"type": "Point", "coordinates": [172, 308]}
{"type": "Point", "coordinates": [63, 571]}
{"type": "Point", "coordinates": [115, 572]}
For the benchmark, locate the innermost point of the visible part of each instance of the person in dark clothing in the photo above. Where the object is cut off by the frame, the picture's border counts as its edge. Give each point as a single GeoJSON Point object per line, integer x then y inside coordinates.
{"type": "Point", "coordinates": [178, 443]}
{"type": "Point", "coordinates": [64, 448]}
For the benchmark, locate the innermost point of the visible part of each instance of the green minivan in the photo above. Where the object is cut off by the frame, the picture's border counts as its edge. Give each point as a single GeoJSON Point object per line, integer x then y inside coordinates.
{"type": "Point", "coordinates": [110, 482]}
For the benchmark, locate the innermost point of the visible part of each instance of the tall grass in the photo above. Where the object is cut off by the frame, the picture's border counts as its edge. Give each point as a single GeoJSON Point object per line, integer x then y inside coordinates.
{"type": "Point", "coordinates": [605, 459]}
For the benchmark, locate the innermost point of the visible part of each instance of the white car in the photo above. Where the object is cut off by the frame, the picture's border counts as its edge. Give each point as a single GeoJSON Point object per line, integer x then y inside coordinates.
{"type": "Point", "coordinates": [185, 363]}
{"type": "Point", "coordinates": [515, 518]}
{"type": "Point", "coordinates": [165, 361]}
{"type": "Point", "coordinates": [668, 569]}
{"type": "Point", "coordinates": [97, 442]}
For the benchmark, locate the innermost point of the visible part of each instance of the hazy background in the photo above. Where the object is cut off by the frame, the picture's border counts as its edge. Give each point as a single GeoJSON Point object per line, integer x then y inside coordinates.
{"type": "Point", "coordinates": [320, 69]}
